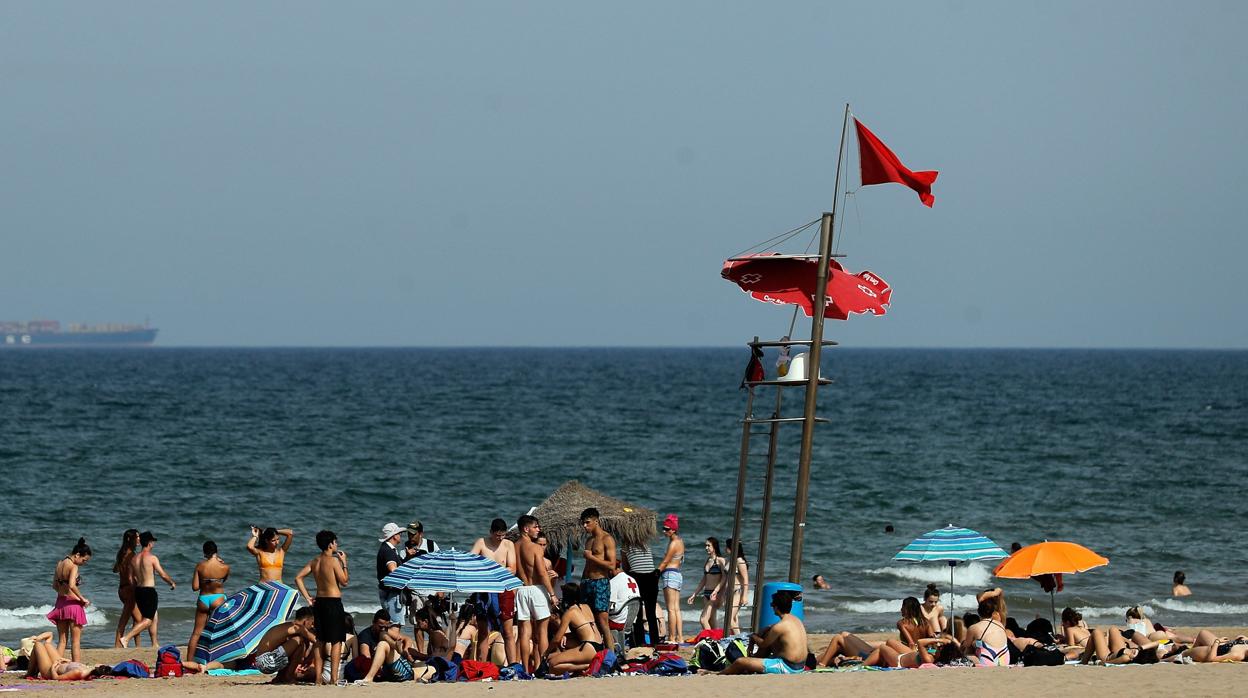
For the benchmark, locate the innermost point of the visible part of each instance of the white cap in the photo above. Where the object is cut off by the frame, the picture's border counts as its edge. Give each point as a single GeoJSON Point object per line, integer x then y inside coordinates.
{"type": "Point", "coordinates": [389, 531]}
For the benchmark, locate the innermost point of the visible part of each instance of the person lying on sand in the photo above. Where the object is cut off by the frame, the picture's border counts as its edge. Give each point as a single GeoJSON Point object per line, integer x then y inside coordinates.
{"type": "Point", "coordinates": [1113, 647]}
{"type": "Point", "coordinates": [1209, 648]}
{"type": "Point", "coordinates": [783, 649]}
{"type": "Point", "coordinates": [46, 662]}
{"type": "Point", "coordinates": [281, 650]}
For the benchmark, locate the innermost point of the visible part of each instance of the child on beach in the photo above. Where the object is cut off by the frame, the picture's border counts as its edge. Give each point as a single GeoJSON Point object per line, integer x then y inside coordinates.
{"type": "Point", "coordinates": [70, 615]}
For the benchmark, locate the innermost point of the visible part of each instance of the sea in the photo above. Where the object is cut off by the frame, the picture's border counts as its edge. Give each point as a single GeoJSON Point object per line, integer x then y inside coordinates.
{"type": "Point", "coordinates": [1140, 456]}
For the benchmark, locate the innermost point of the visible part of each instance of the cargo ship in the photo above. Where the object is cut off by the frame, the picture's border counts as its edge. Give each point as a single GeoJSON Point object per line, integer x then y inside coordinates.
{"type": "Point", "coordinates": [48, 333]}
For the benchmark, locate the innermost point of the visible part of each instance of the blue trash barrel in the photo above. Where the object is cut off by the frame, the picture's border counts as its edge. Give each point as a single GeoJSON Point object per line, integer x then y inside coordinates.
{"type": "Point", "coordinates": [766, 616]}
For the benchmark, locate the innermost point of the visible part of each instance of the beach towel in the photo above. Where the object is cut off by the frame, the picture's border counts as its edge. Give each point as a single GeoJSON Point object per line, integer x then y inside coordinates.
{"type": "Point", "coordinates": [233, 672]}
{"type": "Point", "coordinates": [472, 670]}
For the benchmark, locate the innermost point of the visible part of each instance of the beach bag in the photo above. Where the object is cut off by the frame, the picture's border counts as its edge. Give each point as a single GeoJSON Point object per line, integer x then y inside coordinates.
{"type": "Point", "coordinates": [1048, 655]}
{"type": "Point", "coordinates": [472, 670]}
{"type": "Point", "coordinates": [667, 664]}
{"type": "Point", "coordinates": [734, 650]}
{"type": "Point", "coordinates": [602, 664]}
{"type": "Point", "coordinates": [133, 668]}
{"type": "Point", "coordinates": [168, 662]}
{"type": "Point", "coordinates": [514, 672]}
{"type": "Point", "coordinates": [708, 655]}
{"type": "Point", "coordinates": [635, 665]}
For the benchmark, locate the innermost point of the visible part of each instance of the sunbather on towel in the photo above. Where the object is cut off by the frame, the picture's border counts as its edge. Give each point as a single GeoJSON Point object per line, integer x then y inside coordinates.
{"type": "Point", "coordinates": [1113, 648]}
{"type": "Point", "coordinates": [46, 662]}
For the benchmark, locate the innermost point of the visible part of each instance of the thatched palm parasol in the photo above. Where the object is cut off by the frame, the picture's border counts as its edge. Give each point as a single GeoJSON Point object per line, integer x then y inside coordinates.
{"type": "Point", "coordinates": [560, 516]}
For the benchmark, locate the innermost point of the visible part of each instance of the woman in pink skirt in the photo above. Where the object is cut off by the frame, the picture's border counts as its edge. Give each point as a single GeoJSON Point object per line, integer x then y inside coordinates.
{"type": "Point", "coordinates": [70, 613]}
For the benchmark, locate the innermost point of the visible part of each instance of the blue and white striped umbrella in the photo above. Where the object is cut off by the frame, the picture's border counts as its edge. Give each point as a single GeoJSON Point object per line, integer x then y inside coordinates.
{"type": "Point", "coordinates": [236, 627]}
{"type": "Point", "coordinates": [951, 544]}
{"type": "Point", "coordinates": [454, 572]}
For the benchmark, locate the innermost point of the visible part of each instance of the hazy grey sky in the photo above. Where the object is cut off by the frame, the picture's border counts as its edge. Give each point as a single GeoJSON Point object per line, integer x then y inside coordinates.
{"type": "Point", "coordinates": [575, 173]}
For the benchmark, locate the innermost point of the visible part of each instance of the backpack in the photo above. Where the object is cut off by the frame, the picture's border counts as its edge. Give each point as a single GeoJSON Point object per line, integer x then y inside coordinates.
{"type": "Point", "coordinates": [514, 672]}
{"type": "Point", "coordinates": [1048, 655]}
{"type": "Point", "coordinates": [133, 668]}
{"type": "Point", "coordinates": [602, 664]}
{"type": "Point", "coordinates": [667, 664]}
{"type": "Point", "coordinates": [473, 670]}
{"type": "Point", "coordinates": [168, 662]}
{"type": "Point", "coordinates": [734, 650]}
{"type": "Point", "coordinates": [709, 656]}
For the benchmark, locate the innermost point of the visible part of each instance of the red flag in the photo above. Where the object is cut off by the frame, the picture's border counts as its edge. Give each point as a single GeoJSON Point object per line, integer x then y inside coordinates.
{"type": "Point", "coordinates": [880, 166]}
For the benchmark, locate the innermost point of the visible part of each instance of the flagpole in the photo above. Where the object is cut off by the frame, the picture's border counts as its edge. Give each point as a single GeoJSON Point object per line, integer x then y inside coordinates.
{"type": "Point", "coordinates": [826, 228]}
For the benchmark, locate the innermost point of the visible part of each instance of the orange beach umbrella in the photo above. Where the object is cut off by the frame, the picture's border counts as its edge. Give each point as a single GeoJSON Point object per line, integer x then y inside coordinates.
{"type": "Point", "coordinates": [1049, 557]}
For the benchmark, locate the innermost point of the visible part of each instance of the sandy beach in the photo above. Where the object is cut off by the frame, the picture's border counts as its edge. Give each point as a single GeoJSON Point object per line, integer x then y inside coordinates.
{"type": "Point", "coordinates": [1160, 679]}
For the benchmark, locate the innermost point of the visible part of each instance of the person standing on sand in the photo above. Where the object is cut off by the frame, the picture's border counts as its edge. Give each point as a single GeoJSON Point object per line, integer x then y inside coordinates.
{"type": "Point", "coordinates": [599, 568]}
{"type": "Point", "coordinates": [209, 580]}
{"type": "Point", "coordinates": [388, 560]}
{"type": "Point", "coordinates": [70, 613]}
{"type": "Point", "coordinates": [329, 570]}
{"type": "Point", "coordinates": [125, 584]}
{"type": "Point", "coordinates": [639, 563]}
{"type": "Point", "coordinates": [146, 567]}
{"type": "Point", "coordinates": [535, 599]}
{"type": "Point", "coordinates": [269, 555]}
{"type": "Point", "coordinates": [496, 547]}
{"type": "Point", "coordinates": [783, 650]}
{"type": "Point", "coordinates": [670, 579]}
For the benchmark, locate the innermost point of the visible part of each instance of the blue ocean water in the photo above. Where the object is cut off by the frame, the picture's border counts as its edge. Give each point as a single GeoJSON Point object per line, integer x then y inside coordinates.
{"type": "Point", "coordinates": [1139, 455]}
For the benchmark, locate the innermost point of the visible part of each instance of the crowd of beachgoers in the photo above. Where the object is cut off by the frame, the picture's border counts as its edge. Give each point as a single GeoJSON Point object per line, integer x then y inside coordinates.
{"type": "Point", "coordinates": [552, 627]}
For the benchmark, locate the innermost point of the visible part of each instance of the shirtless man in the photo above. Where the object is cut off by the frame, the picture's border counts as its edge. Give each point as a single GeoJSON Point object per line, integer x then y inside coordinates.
{"type": "Point", "coordinates": [329, 569]}
{"type": "Point", "coordinates": [533, 600]}
{"type": "Point", "coordinates": [144, 569]}
{"type": "Point", "coordinates": [599, 568]}
{"type": "Point", "coordinates": [280, 651]}
{"type": "Point", "coordinates": [497, 548]}
{"type": "Point", "coordinates": [783, 649]}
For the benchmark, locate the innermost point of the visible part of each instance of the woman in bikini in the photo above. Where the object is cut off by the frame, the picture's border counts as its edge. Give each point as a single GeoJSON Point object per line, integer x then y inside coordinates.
{"type": "Point", "coordinates": [209, 581]}
{"type": "Point", "coordinates": [1113, 647]}
{"type": "Point", "coordinates": [913, 626]}
{"type": "Point", "coordinates": [47, 662]}
{"type": "Point", "coordinates": [934, 611]}
{"type": "Point", "coordinates": [269, 555]}
{"type": "Point", "coordinates": [125, 585]}
{"type": "Point", "coordinates": [740, 588]}
{"type": "Point", "coordinates": [583, 639]}
{"type": "Point", "coordinates": [1074, 631]}
{"type": "Point", "coordinates": [709, 586]}
{"type": "Point", "coordinates": [670, 579]}
{"type": "Point", "coordinates": [70, 612]}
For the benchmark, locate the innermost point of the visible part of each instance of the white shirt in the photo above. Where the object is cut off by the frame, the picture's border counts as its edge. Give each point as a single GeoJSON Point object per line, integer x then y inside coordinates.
{"type": "Point", "coordinates": [623, 588]}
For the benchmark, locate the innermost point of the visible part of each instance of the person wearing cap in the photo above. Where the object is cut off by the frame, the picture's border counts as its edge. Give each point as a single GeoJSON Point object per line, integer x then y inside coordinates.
{"type": "Point", "coordinates": [145, 567]}
{"type": "Point", "coordinates": [388, 560]}
{"type": "Point", "coordinates": [670, 579]}
{"type": "Point", "coordinates": [417, 544]}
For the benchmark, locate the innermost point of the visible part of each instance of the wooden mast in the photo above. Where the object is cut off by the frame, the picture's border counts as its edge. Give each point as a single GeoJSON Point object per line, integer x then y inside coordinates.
{"type": "Point", "coordinates": [826, 228]}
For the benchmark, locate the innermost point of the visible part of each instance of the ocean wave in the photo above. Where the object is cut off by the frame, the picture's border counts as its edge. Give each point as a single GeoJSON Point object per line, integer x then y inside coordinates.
{"type": "Point", "coordinates": [972, 575]}
{"type": "Point", "coordinates": [893, 606]}
{"type": "Point", "coordinates": [36, 617]}
{"type": "Point", "coordinates": [1186, 606]}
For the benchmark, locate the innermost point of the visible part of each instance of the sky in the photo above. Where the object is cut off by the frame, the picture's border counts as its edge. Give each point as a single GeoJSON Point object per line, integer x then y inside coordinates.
{"type": "Point", "coordinates": [575, 173]}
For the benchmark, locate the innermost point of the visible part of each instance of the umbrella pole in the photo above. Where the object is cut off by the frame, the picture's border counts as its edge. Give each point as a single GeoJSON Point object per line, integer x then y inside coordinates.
{"type": "Point", "coordinates": [952, 565]}
{"type": "Point", "coordinates": [1052, 609]}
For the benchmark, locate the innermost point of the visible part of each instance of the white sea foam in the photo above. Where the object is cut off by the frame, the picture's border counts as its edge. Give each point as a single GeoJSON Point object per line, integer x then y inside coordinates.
{"type": "Point", "coordinates": [1188, 606]}
{"type": "Point", "coordinates": [974, 574]}
{"type": "Point", "coordinates": [893, 606]}
{"type": "Point", "coordinates": [25, 617]}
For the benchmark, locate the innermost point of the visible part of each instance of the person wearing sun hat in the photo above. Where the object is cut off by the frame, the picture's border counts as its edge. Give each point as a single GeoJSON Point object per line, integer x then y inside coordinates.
{"type": "Point", "coordinates": [388, 559]}
{"type": "Point", "coordinates": [670, 579]}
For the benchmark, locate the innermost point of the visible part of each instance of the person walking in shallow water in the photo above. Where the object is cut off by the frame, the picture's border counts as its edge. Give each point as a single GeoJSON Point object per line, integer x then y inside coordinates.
{"type": "Point", "coordinates": [125, 584]}
{"type": "Point", "coordinates": [70, 613]}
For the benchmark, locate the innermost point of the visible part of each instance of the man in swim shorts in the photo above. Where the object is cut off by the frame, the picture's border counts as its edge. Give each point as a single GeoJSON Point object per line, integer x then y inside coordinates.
{"type": "Point", "coordinates": [329, 569]}
{"type": "Point", "coordinates": [144, 568]}
{"type": "Point", "coordinates": [280, 651]}
{"type": "Point", "coordinates": [535, 599]}
{"type": "Point", "coordinates": [496, 547]}
{"type": "Point", "coordinates": [599, 568]}
{"type": "Point", "coordinates": [783, 650]}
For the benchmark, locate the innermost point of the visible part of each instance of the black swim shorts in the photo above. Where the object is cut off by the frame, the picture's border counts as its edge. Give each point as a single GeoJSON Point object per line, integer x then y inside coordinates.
{"type": "Point", "coordinates": [146, 601]}
{"type": "Point", "coordinates": [328, 614]}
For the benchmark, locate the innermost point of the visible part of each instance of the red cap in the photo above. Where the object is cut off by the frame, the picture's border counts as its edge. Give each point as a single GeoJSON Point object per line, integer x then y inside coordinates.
{"type": "Point", "coordinates": [672, 521]}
